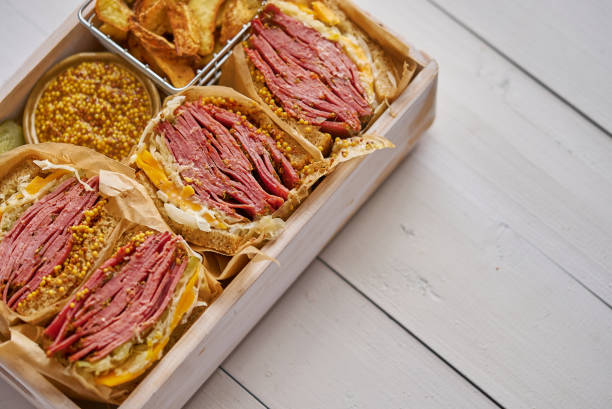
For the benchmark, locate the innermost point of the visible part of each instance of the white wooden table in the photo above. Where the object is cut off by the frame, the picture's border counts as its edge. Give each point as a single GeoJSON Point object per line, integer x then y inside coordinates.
{"type": "Point", "coordinates": [480, 273]}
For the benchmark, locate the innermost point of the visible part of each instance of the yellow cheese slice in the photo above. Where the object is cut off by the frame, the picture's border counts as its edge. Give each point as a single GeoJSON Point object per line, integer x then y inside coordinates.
{"type": "Point", "coordinates": [157, 175]}
{"type": "Point", "coordinates": [114, 380]}
{"type": "Point", "coordinates": [38, 183]}
{"type": "Point", "coordinates": [324, 13]}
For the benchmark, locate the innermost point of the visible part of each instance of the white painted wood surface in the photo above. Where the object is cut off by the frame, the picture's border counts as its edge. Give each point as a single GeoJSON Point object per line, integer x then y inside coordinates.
{"type": "Point", "coordinates": [565, 44]}
{"type": "Point", "coordinates": [326, 346]}
{"type": "Point", "coordinates": [491, 244]}
{"type": "Point", "coordinates": [222, 392]}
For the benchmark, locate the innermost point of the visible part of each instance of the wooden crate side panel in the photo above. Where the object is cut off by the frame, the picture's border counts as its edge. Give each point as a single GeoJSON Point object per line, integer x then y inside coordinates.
{"type": "Point", "coordinates": [33, 386]}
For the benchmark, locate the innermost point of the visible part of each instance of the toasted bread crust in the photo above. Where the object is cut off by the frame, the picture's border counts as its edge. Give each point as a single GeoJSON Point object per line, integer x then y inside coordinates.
{"type": "Point", "coordinates": [9, 184]}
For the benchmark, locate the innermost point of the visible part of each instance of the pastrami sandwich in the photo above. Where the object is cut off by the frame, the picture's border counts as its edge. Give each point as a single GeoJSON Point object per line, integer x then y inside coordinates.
{"type": "Point", "coordinates": [223, 174]}
{"type": "Point", "coordinates": [53, 228]}
{"type": "Point", "coordinates": [118, 323]}
{"type": "Point", "coordinates": [314, 68]}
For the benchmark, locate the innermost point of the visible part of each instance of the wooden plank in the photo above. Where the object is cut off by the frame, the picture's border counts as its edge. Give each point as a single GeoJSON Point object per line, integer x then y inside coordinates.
{"type": "Point", "coordinates": [249, 296]}
{"type": "Point", "coordinates": [483, 242]}
{"type": "Point", "coordinates": [324, 345]}
{"type": "Point", "coordinates": [222, 392]}
{"type": "Point", "coordinates": [33, 387]}
{"type": "Point", "coordinates": [476, 291]}
{"type": "Point", "coordinates": [10, 398]}
{"type": "Point", "coordinates": [68, 39]}
{"type": "Point", "coordinates": [549, 170]}
{"type": "Point", "coordinates": [563, 44]}
{"type": "Point", "coordinates": [219, 392]}
{"type": "Point", "coordinates": [333, 202]}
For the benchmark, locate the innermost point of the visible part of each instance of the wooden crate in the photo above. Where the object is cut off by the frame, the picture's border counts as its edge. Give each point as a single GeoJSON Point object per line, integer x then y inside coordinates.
{"type": "Point", "coordinates": [180, 373]}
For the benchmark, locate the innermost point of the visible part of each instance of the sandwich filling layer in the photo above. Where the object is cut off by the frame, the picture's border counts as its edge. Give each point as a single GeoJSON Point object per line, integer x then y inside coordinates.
{"type": "Point", "coordinates": [123, 299]}
{"type": "Point", "coordinates": [225, 162]}
{"type": "Point", "coordinates": [309, 76]}
{"type": "Point", "coordinates": [51, 246]}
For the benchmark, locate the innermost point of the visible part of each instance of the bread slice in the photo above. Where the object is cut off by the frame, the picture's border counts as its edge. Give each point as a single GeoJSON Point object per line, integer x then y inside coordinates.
{"type": "Point", "coordinates": [219, 240]}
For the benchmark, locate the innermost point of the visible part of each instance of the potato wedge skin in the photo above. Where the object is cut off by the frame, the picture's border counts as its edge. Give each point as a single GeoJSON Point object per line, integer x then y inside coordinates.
{"type": "Point", "coordinates": [115, 33]}
{"type": "Point", "coordinates": [179, 71]}
{"type": "Point", "coordinates": [205, 14]}
{"type": "Point", "coordinates": [185, 29]}
{"type": "Point", "coordinates": [150, 40]}
{"type": "Point", "coordinates": [153, 16]}
{"type": "Point", "coordinates": [115, 13]}
{"type": "Point", "coordinates": [140, 6]}
{"type": "Point", "coordinates": [136, 48]}
{"type": "Point", "coordinates": [236, 14]}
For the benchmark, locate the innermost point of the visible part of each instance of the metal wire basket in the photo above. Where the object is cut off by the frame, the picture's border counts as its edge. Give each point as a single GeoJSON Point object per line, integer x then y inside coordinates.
{"type": "Point", "coordinates": [206, 75]}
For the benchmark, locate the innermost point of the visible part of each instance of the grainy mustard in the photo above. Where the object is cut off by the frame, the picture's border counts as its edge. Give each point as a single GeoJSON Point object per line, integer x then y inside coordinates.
{"type": "Point", "coordinates": [87, 241]}
{"type": "Point", "coordinates": [100, 105]}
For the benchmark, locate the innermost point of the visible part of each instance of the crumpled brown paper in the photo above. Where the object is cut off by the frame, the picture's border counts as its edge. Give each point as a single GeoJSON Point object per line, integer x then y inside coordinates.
{"type": "Point", "coordinates": [223, 267]}
{"type": "Point", "coordinates": [129, 200]}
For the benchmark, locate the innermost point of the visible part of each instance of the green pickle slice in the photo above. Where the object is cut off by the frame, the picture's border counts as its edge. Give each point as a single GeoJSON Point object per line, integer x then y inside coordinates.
{"type": "Point", "coordinates": [11, 136]}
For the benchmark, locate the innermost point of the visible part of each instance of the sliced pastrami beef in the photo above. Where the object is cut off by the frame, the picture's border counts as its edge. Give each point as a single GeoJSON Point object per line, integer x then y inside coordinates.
{"type": "Point", "coordinates": [309, 75]}
{"type": "Point", "coordinates": [339, 81]}
{"type": "Point", "coordinates": [232, 166]}
{"type": "Point", "coordinates": [42, 238]}
{"type": "Point", "coordinates": [242, 178]}
{"type": "Point", "coordinates": [302, 85]}
{"type": "Point", "coordinates": [259, 147]}
{"type": "Point", "coordinates": [113, 310]}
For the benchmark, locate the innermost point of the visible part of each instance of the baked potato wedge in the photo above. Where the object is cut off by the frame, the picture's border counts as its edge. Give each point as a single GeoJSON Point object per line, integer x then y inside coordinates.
{"type": "Point", "coordinates": [151, 40]}
{"type": "Point", "coordinates": [184, 29]}
{"type": "Point", "coordinates": [115, 33]}
{"type": "Point", "coordinates": [178, 70]}
{"type": "Point", "coordinates": [114, 13]}
{"type": "Point", "coordinates": [205, 14]}
{"type": "Point", "coordinates": [153, 16]}
{"type": "Point", "coordinates": [236, 13]}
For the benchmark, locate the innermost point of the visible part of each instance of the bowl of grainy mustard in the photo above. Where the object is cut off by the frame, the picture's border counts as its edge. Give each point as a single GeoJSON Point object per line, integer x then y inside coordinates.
{"type": "Point", "coordinates": [91, 99]}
